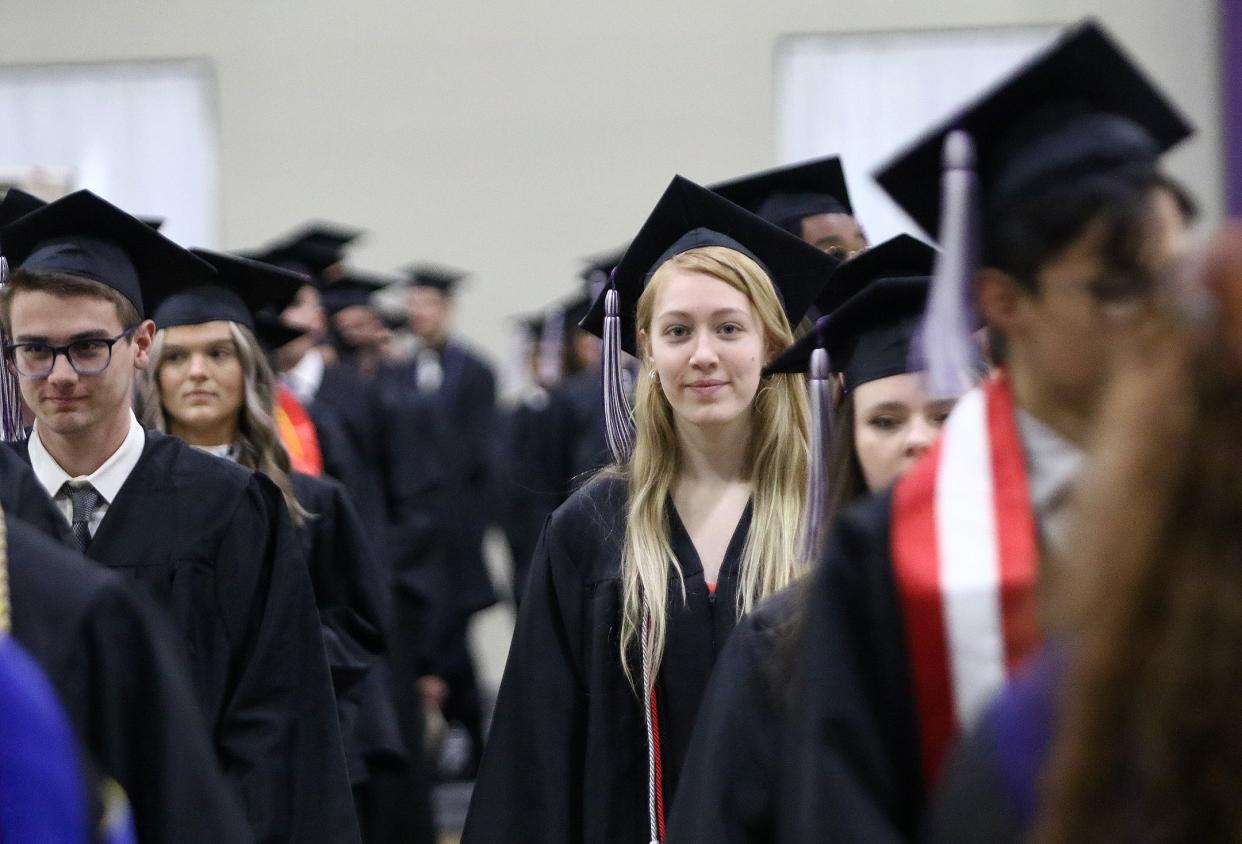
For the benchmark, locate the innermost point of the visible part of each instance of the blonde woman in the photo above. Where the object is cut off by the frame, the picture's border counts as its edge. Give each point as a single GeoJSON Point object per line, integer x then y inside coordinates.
{"type": "Point", "coordinates": [209, 383]}
{"type": "Point", "coordinates": [640, 576]}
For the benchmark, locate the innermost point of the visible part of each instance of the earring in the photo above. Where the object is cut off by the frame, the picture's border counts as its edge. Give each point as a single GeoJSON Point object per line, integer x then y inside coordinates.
{"type": "Point", "coordinates": [654, 376]}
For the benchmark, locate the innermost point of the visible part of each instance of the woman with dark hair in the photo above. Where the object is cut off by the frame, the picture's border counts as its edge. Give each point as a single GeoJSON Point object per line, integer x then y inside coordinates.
{"type": "Point", "coordinates": [209, 383]}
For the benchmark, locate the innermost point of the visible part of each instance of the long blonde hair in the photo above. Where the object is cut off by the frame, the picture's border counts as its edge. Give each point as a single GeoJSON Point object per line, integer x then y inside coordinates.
{"type": "Point", "coordinates": [258, 444]}
{"type": "Point", "coordinates": [776, 458]}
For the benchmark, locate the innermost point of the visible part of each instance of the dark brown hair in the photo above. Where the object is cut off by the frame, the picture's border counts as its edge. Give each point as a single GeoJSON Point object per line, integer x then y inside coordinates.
{"type": "Point", "coordinates": [1149, 742]}
{"type": "Point", "coordinates": [62, 284]}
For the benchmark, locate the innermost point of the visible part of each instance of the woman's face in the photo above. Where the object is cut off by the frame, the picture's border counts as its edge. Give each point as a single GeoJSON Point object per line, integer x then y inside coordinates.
{"type": "Point", "coordinates": [707, 347]}
{"type": "Point", "coordinates": [894, 424]}
{"type": "Point", "coordinates": [201, 378]}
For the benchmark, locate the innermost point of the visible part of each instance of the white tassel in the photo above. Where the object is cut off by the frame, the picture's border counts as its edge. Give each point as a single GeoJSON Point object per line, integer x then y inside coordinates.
{"type": "Point", "coordinates": [651, 751]}
{"type": "Point", "coordinates": [820, 386]}
{"type": "Point", "coordinates": [950, 354]}
{"type": "Point", "coordinates": [618, 417]}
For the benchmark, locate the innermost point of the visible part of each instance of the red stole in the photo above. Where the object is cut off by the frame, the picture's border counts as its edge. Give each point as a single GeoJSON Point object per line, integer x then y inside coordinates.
{"type": "Point", "coordinates": [965, 558]}
{"type": "Point", "coordinates": [297, 433]}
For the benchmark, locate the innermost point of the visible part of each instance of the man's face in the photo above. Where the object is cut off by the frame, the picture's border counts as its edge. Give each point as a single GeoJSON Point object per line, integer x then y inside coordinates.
{"type": "Point", "coordinates": [65, 402]}
{"type": "Point", "coordinates": [428, 310]}
{"type": "Point", "coordinates": [305, 311]}
{"type": "Point", "coordinates": [359, 327]}
{"type": "Point", "coordinates": [838, 234]}
{"type": "Point", "coordinates": [1063, 334]}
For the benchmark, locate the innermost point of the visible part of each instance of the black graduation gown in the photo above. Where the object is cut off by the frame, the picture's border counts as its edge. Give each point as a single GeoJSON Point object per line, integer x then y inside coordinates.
{"type": "Point", "coordinates": [107, 653]}
{"type": "Point", "coordinates": [213, 544]}
{"type": "Point", "coordinates": [348, 593]}
{"type": "Point", "coordinates": [584, 448]}
{"type": "Point", "coordinates": [852, 758]}
{"type": "Point", "coordinates": [732, 784]}
{"type": "Point", "coordinates": [349, 422]}
{"type": "Point", "coordinates": [566, 759]}
{"type": "Point", "coordinates": [23, 497]}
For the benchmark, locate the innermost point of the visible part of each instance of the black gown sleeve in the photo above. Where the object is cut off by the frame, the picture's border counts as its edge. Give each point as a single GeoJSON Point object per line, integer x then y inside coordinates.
{"type": "Point", "coordinates": [852, 762]}
{"type": "Point", "coordinates": [728, 784]}
{"type": "Point", "coordinates": [529, 787]}
{"type": "Point", "coordinates": [278, 736]}
{"type": "Point", "coordinates": [24, 498]}
{"type": "Point", "coordinates": [125, 690]}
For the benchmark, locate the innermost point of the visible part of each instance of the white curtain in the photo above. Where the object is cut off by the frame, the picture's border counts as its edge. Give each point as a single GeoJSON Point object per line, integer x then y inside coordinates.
{"type": "Point", "coordinates": [144, 135]}
{"type": "Point", "coordinates": [866, 96]}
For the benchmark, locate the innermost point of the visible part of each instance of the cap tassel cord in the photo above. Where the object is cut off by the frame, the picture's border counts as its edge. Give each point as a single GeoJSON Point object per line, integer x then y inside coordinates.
{"type": "Point", "coordinates": [950, 354]}
{"type": "Point", "coordinates": [655, 797]}
{"type": "Point", "coordinates": [817, 484]}
{"type": "Point", "coordinates": [11, 428]}
{"type": "Point", "coordinates": [618, 417]}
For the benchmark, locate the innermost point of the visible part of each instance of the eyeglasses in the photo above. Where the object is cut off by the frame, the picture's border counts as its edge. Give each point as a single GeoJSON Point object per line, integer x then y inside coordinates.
{"type": "Point", "coordinates": [87, 357]}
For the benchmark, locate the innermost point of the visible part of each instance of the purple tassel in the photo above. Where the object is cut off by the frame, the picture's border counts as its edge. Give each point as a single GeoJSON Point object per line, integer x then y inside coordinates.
{"type": "Point", "coordinates": [950, 354]}
{"type": "Point", "coordinates": [552, 338]}
{"type": "Point", "coordinates": [11, 428]}
{"type": "Point", "coordinates": [618, 417]}
{"type": "Point", "coordinates": [820, 384]}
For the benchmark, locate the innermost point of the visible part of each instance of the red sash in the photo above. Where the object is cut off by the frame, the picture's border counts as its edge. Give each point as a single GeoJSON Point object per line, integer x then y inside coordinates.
{"type": "Point", "coordinates": [297, 433]}
{"type": "Point", "coordinates": [965, 558]}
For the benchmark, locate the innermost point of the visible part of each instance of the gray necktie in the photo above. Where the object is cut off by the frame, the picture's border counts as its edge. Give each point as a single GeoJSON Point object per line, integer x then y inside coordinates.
{"type": "Point", "coordinates": [85, 502]}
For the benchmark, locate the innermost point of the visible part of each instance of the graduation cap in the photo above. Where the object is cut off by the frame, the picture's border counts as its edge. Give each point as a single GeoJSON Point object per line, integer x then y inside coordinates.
{"type": "Point", "coordinates": [85, 236]}
{"type": "Point", "coordinates": [156, 223]}
{"type": "Point", "coordinates": [865, 337]}
{"type": "Point", "coordinates": [437, 276]}
{"type": "Point", "coordinates": [785, 196]}
{"type": "Point", "coordinates": [1080, 106]}
{"type": "Point", "coordinates": [353, 289]}
{"type": "Point", "coordinates": [17, 204]}
{"type": "Point", "coordinates": [311, 248]}
{"type": "Point", "coordinates": [687, 217]}
{"type": "Point", "coordinates": [272, 332]}
{"type": "Point", "coordinates": [241, 288]}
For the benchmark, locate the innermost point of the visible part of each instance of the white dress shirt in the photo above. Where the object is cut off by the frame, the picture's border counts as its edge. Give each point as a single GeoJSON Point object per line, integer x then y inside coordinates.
{"type": "Point", "coordinates": [306, 376]}
{"type": "Point", "coordinates": [107, 479]}
{"type": "Point", "coordinates": [1053, 464]}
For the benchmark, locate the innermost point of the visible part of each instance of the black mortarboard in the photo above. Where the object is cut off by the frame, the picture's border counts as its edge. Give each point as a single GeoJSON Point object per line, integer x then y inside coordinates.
{"type": "Point", "coordinates": [156, 223]}
{"type": "Point", "coordinates": [240, 289]}
{"type": "Point", "coordinates": [785, 196]}
{"type": "Point", "coordinates": [272, 332]}
{"type": "Point", "coordinates": [311, 248]}
{"type": "Point", "coordinates": [689, 216]}
{"type": "Point", "coordinates": [868, 335]}
{"type": "Point", "coordinates": [1080, 107]}
{"type": "Point", "coordinates": [354, 288]}
{"type": "Point", "coordinates": [83, 235]}
{"type": "Point", "coordinates": [17, 204]}
{"type": "Point", "coordinates": [437, 276]}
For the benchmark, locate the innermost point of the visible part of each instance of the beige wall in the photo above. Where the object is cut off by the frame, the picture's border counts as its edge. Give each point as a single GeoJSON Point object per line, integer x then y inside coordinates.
{"type": "Point", "coordinates": [512, 137]}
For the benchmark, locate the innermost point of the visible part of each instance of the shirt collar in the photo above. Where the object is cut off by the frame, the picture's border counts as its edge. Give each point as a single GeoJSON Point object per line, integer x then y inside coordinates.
{"type": "Point", "coordinates": [306, 375]}
{"type": "Point", "coordinates": [107, 479]}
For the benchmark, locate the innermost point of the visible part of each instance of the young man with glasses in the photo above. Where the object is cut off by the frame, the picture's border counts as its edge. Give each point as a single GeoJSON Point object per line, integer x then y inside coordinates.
{"type": "Point", "coordinates": [210, 541]}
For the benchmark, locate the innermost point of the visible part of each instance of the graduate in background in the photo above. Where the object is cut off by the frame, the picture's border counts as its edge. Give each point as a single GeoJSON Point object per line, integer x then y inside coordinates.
{"type": "Point", "coordinates": [208, 383]}
{"type": "Point", "coordinates": [210, 541]}
{"type": "Point", "coordinates": [809, 200]}
{"type": "Point", "coordinates": [358, 334]}
{"type": "Point", "coordinates": [883, 422]}
{"type": "Point", "coordinates": [642, 574]}
{"type": "Point", "coordinates": [925, 599]}
{"type": "Point", "coordinates": [456, 390]}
